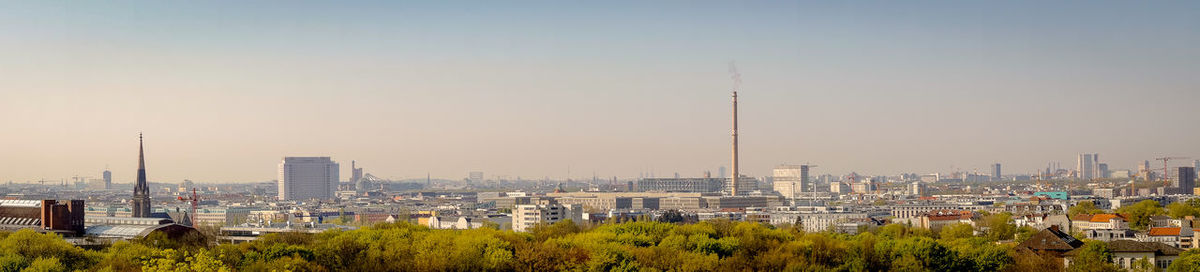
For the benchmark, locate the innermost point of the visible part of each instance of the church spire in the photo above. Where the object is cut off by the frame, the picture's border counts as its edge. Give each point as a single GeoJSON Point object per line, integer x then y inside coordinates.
{"type": "Point", "coordinates": [141, 155]}
{"type": "Point", "coordinates": [141, 191]}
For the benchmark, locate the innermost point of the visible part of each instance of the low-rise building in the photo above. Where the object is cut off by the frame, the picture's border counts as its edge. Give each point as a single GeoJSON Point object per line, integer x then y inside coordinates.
{"type": "Point", "coordinates": [462, 222]}
{"type": "Point", "coordinates": [1051, 242]}
{"type": "Point", "coordinates": [815, 222]}
{"type": "Point", "coordinates": [1173, 236]}
{"type": "Point", "coordinates": [43, 216]}
{"type": "Point", "coordinates": [936, 220]}
{"type": "Point", "coordinates": [1104, 221]}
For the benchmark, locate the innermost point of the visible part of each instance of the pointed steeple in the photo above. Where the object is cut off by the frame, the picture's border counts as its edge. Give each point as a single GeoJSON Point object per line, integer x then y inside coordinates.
{"type": "Point", "coordinates": [141, 154]}
{"type": "Point", "coordinates": [141, 191]}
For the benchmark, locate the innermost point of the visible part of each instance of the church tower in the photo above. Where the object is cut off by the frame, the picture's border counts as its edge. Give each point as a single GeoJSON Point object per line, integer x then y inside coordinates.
{"type": "Point", "coordinates": [141, 191]}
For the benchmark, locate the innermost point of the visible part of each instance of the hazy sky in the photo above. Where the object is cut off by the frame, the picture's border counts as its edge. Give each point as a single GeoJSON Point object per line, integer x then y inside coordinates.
{"type": "Point", "coordinates": [224, 89]}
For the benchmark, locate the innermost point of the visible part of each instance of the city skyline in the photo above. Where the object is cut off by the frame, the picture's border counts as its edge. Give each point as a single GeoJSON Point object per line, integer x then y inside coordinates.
{"type": "Point", "coordinates": [880, 88]}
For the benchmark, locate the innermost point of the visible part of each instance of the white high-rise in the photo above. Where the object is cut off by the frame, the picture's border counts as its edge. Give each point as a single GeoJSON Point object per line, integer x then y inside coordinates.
{"type": "Point", "coordinates": [1087, 167]}
{"type": "Point", "coordinates": [307, 178]}
{"type": "Point", "coordinates": [791, 180]}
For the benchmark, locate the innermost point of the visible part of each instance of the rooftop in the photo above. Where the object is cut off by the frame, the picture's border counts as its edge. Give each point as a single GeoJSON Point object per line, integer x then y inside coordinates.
{"type": "Point", "coordinates": [1099, 218]}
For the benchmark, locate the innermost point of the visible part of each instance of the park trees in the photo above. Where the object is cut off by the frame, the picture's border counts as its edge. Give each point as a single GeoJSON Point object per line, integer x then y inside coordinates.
{"type": "Point", "coordinates": [1140, 213]}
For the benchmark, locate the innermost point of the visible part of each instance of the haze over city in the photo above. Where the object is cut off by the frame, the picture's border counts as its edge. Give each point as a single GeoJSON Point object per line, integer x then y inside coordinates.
{"type": "Point", "coordinates": [224, 90]}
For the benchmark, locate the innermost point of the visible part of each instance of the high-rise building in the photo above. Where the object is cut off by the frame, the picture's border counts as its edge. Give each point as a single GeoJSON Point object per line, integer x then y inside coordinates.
{"type": "Point", "coordinates": [355, 172]}
{"type": "Point", "coordinates": [107, 179]}
{"type": "Point", "coordinates": [1196, 165]}
{"type": "Point", "coordinates": [916, 188]}
{"type": "Point", "coordinates": [1187, 180]}
{"type": "Point", "coordinates": [141, 191]}
{"type": "Point", "coordinates": [721, 172]}
{"type": "Point", "coordinates": [1145, 171]}
{"type": "Point", "coordinates": [791, 180]}
{"type": "Point", "coordinates": [475, 177]}
{"type": "Point", "coordinates": [303, 178]}
{"type": "Point", "coordinates": [1102, 170]}
{"type": "Point", "coordinates": [996, 175]}
{"type": "Point", "coordinates": [1086, 168]}
{"type": "Point", "coordinates": [839, 188]}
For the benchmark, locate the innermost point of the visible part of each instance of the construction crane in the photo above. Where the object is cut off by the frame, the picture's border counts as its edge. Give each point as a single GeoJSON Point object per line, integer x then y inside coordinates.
{"type": "Point", "coordinates": [1166, 168]}
{"type": "Point", "coordinates": [195, 201]}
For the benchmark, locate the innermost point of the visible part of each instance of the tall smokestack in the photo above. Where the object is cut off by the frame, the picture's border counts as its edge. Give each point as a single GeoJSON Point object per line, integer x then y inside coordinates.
{"type": "Point", "coordinates": [735, 146]}
{"type": "Point", "coordinates": [737, 82]}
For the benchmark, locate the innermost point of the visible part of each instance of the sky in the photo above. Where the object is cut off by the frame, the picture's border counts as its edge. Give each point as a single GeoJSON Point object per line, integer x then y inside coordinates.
{"type": "Point", "coordinates": [223, 90]}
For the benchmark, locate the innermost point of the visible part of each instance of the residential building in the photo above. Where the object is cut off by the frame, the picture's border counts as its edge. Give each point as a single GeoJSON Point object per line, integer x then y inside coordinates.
{"type": "Point", "coordinates": [463, 222]}
{"type": "Point", "coordinates": [303, 178]}
{"type": "Point", "coordinates": [1126, 253]}
{"type": "Point", "coordinates": [529, 215]}
{"type": "Point", "coordinates": [936, 220]}
{"type": "Point", "coordinates": [1103, 227]}
{"type": "Point", "coordinates": [1100, 221]}
{"type": "Point", "coordinates": [1180, 237]}
{"type": "Point", "coordinates": [1051, 242]}
{"type": "Point", "coordinates": [815, 221]}
{"type": "Point", "coordinates": [1042, 221]}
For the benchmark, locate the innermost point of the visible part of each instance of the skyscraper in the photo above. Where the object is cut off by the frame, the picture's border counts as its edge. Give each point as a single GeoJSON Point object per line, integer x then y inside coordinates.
{"type": "Point", "coordinates": [996, 171]}
{"type": "Point", "coordinates": [1144, 170]}
{"type": "Point", "coordinates": [107, 179]}
{"type": "Point", "coordinates": [477, 177]}
{"type": "Point", "coordinates": [141, 191]}
{"type": "Point", "coordinates": [1087, 166]}
{"type": "Point", "coordinates": [1187, 180]}
{"type": "Point", "coordinates": [1196, 165]}
{"type": "Point", "coordinates": [1102, 170]}
{"type": "Point", "coordinates": [307, 178]}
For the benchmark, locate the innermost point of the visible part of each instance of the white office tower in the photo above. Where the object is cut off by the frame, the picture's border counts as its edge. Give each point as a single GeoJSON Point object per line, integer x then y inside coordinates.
{"type": "Point", "coordinates": [916, 188]}
{"type": "Point", "coordinates": [302, 178]}
{"type": "Point", "coordinates": [528, 216]}
{"type": "Point", "coordinates": [791, 180]}
{"type": "Point", "coordinates": [1086, 167]}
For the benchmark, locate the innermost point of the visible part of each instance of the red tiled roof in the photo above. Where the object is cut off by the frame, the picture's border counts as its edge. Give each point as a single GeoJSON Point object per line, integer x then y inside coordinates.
{"type": "Point", "coordinates": [1164, 231]}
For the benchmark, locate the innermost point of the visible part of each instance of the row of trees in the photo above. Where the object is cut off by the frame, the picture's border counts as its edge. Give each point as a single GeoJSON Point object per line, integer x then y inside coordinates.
{"type": "Point", "coordinates": [651, 246]}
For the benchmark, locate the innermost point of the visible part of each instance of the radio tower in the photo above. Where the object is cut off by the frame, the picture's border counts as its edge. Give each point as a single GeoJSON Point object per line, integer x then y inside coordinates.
{"type": "Point", "coordinates": [737, 82]}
